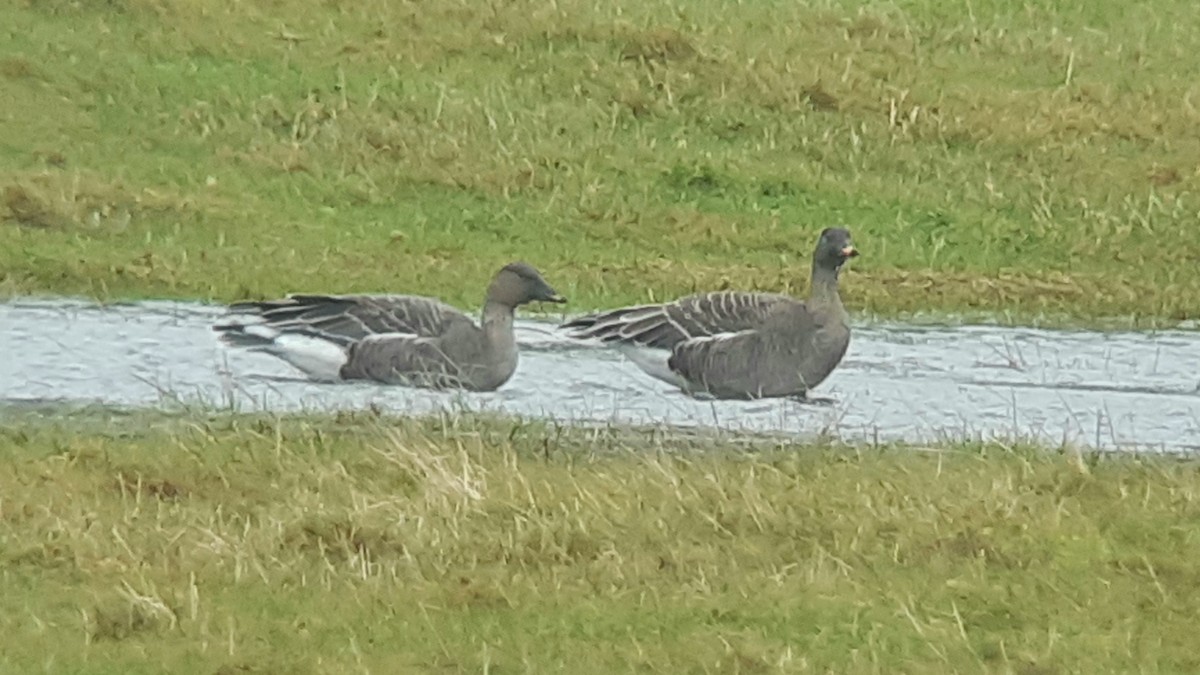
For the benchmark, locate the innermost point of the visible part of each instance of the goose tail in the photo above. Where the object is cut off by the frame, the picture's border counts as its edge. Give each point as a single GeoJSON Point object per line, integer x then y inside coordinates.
{"type": "Point", "coordinates": [321, 356]}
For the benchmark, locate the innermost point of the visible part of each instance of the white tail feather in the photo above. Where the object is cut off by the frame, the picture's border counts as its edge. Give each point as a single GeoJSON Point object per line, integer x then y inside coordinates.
{"type": "Point", "coordinates": [320, 359]}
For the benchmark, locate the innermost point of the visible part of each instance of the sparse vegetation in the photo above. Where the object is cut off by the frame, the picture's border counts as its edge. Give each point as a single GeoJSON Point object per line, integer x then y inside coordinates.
{"type": "Point", "coordinates": [1023, 159]}
{"type": "Point", "coordinates": [149, 544]}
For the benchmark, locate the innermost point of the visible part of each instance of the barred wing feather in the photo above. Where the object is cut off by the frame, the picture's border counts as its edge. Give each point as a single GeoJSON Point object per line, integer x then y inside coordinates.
{"type": "Point", "coordinates": [356, 316]}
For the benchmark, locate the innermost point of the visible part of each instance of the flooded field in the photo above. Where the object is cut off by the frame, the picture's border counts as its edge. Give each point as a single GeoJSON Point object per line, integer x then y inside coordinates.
{"type": "Point", "coordinates": [1127, 390]}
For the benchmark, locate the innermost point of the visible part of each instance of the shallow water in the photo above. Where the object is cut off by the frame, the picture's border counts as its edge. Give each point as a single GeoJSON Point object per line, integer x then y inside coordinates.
{"type": "Point", "coordinates": [898, 382]}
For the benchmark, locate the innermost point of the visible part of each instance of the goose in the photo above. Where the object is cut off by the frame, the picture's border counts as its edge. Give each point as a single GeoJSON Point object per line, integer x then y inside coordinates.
{"type": "Point", "coordinates": [737, 345]}
{"type": "Point", "coordinates": [393, 339]}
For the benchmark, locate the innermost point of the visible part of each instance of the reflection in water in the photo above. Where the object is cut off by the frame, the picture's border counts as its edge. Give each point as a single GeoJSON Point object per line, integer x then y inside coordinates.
{"type": "Point", "coordinates": [918, 384]}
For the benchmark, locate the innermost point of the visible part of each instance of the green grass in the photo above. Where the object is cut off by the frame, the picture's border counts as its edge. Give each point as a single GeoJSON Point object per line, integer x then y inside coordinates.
{"type": "Point", "coordinates": [361, 544]}
{"type": "Point", "coordinates": [1016, 159]}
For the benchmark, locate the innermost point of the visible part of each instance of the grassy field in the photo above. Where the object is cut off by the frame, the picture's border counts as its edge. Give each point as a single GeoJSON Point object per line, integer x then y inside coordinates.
{"type": "Point", "coordinates": [1024, 161]}
{"type": "Point", "coordinates": [230, 545]}
{"type": "Point", "coordinates": [1018, 159]}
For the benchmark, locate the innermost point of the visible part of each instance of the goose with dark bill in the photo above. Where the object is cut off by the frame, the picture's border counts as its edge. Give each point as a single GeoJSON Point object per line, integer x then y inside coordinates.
{"type": "Point", "coordinates": [737, 345]}
{"type": "Point", "coordinates": [393, 339]}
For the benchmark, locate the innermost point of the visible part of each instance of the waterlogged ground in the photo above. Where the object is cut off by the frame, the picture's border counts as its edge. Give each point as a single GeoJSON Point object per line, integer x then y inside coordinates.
{"type": "Point", "coordinates": [1130, 390]}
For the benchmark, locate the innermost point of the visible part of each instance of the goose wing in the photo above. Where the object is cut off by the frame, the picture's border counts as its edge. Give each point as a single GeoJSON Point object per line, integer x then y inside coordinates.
{"type": "Point", "coordinates": [665, 325]}
{"type": "Point", "coordinates": [356, 316]}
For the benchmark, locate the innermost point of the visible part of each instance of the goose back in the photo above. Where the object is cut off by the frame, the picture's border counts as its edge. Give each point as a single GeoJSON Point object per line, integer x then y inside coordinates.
{"type": "Point", "coordinates": [666, 325]}
{"type": "Point", "coordinates": [356, 316]}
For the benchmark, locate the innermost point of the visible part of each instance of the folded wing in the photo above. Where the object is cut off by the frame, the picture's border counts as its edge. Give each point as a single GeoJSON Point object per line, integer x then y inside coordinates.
{"type": "Point", "coordinates": [355, 316]}
{"type": "Point", "coordinates": [666, 325]}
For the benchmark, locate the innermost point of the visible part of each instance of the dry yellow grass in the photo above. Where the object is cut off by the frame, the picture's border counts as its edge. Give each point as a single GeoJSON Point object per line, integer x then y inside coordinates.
{"type": "Point", "coordinates": [239, 544]}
